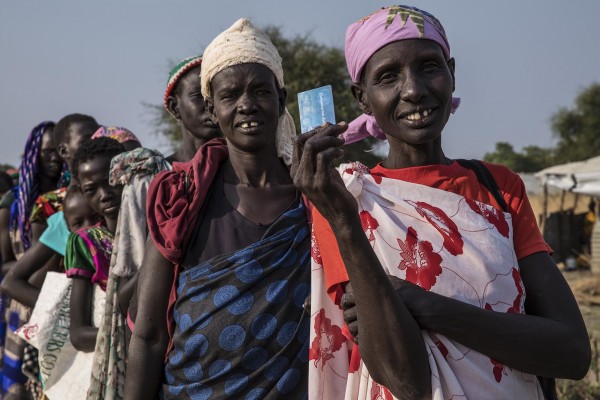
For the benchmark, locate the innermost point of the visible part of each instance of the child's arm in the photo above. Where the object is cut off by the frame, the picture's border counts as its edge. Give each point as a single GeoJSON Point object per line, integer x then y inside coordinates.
{"type": "Point", "coordinates": [83, 333]}
{"type": "Point", "coordinates": [16, 283]}
{"type": "Point", "coordinates": [37, 228]}
{"type": "Point", "coordinates": [80, 267]}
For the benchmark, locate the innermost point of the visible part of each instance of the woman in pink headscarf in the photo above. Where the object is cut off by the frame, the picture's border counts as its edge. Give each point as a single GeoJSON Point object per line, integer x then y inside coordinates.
{"type": "Point", "coordinates": [451, 291]}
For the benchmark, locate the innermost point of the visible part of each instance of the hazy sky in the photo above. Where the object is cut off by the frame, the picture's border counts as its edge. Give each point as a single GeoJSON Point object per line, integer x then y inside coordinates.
{"type": "Point", "coordinates": [516, 62]}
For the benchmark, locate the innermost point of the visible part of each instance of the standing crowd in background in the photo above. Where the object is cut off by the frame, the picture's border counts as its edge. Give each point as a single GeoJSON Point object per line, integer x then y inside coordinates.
{"type": "Point", "coordinates": [246, 266]}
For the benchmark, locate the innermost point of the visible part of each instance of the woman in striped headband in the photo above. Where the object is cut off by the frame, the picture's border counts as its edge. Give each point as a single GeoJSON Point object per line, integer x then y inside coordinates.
{"type": "Point", "coordinates": [433, 268]}
{"type": "Point", "coordinates": [184, 101]}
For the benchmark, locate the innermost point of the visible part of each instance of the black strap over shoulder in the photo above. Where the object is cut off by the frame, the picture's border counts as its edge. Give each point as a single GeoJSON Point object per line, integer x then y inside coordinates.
{"type": "Point", "coordinates": [485, 177]}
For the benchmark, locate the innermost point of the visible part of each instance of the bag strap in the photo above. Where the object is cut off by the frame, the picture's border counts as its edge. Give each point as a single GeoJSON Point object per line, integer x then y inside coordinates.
{"type": "Point", "coordinates": [485, 177]}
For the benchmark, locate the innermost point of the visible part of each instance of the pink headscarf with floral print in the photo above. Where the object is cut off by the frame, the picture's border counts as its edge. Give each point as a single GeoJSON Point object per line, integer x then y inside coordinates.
{"type": "Point", "coordinates": [365, 37]}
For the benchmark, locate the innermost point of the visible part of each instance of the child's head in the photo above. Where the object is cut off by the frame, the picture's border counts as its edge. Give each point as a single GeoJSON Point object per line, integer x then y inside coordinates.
{"type": "Point", "coordinates": [70, 132]}
{"type": "Point", "coordinates": [91, 166]}
{"type": "Point", "coordinates": [77, 212]}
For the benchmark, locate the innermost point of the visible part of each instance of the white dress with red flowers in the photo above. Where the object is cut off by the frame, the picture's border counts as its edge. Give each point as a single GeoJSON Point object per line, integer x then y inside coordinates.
{"type": "Point", "coordinates": [445, 243]}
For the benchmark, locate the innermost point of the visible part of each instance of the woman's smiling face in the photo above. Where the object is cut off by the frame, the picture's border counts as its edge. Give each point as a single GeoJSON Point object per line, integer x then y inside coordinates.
{"type": "Point", "coordinates": [247, 102]}
{"type": "Point", "coordinates": [407, 86]}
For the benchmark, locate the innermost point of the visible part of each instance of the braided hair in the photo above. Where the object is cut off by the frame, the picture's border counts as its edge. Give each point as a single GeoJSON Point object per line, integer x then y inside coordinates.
{"type": "Point", "coordinates": [28, 187]}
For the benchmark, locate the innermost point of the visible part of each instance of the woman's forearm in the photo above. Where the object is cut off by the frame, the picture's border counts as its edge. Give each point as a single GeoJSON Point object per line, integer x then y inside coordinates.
{"type": "Point", "coordinates": [549, 340]}
{"type": "Point", "coordinates": [150, 337]}
{"type": "Point", "coordinates": [527, 343]}
{"type": "Point", "coordinates": [390, 341]}
{"type": "Point", "coordinates": [145, 367]}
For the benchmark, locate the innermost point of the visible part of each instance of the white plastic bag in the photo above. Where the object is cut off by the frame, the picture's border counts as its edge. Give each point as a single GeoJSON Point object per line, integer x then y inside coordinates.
{"type": "Point", "coordinates": [65, 372]}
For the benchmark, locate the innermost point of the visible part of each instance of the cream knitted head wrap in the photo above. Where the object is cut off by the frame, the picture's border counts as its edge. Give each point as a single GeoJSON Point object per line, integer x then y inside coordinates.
{"type": "Point", "coordinates": [244, 43]}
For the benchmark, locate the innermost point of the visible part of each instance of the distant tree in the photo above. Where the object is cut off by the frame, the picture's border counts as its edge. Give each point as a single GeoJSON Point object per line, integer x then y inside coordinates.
{"type": "Point", "coordinates": [578, 129]}
{"type": "Point", "coordinates": [307, 65]}
{"type": "Point", "coordinates": [6, 167]}
{"type": "Point", "coordinates": [163, 123]}
{"type": "Point", "coordinates": [532, 159]}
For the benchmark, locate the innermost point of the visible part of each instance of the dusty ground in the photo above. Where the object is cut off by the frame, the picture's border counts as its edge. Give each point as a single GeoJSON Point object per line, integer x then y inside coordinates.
{"type": "Point", "coordinates": [586, 287]}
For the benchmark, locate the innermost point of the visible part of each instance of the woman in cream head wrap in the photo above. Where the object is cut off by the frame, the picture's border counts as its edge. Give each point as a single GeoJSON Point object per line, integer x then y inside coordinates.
{"type": "Point", "coordinates": [229, 258]}
{"type": "Point", "coordinates": [243, 43]}
{"type": "Point", "coordinates": [430, 276]}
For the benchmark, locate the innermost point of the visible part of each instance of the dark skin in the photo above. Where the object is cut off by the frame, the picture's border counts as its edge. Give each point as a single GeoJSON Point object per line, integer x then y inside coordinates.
{"type": "Point", "coordinates": [49, 168]}
{"type": "Point", "coordinates": [105, 200]}
{"type": "Point", "coordinates": [75, 135]}
{"type": "Point", "coordinates": [5, 244]}
{"type": "Point", "coordinates": [393, 89]}
{"type": "Point", "coordinates": [241, 94]}
{"type": "Point", "coordinates": [39, 257]}
{"type": "Point", "coordinates": [186, 104]}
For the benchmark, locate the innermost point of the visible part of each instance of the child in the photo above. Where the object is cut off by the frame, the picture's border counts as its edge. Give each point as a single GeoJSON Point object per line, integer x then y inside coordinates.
{"type": "Point", "coordinates": [89, 249]}
{"type": "Point", "coordinates": [78, 214]}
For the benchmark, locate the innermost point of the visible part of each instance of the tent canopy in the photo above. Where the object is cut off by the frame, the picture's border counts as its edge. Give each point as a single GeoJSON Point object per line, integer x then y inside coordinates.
{"type": "Point", "coordinates": [579, 177]}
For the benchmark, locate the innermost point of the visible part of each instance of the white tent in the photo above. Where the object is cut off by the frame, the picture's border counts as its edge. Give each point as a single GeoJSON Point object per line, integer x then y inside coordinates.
{"type": "Point", "coordinates": [579, 177]}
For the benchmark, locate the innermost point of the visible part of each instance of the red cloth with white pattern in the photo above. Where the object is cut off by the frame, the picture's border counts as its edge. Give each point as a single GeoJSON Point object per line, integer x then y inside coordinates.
{"type": "Point", "coordinates": [435, 226]}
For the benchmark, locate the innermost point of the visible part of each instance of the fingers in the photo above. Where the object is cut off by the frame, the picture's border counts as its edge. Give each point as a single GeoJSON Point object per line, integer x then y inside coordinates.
{"type": "Point", "coordinates": [350, 315]}
{"type": "Point", "coordinates": [348, 300]}
{"type": "Point", "coordinates": [317, 140]}
{"type": "Point", "coordinates": [307, 303]}
{"type": "Point", "coordinates": [353, 329]}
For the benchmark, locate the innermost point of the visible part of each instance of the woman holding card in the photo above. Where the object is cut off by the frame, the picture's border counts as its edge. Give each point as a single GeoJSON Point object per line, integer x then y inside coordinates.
{"type": "Point", "coordinates": [433, 268]}
{"type": "Point", "coordinates": [230, 244]}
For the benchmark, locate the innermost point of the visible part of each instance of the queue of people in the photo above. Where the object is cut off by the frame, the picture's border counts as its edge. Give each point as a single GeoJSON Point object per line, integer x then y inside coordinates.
{"type": "Point", "coordinates": [246, 266]}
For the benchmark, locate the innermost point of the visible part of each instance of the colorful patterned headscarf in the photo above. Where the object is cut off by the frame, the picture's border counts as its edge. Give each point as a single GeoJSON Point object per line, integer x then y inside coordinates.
{"type": "Point", "coordinates": [243, 43]}
{"type": "Point", "coordinates": [177, 72]}
{"type": "Point", "coordinates": [28, 188]}
{"type": "Point", "coordinates": [121, 135]}
{"type": "Point", "coordinates": [365, 37]}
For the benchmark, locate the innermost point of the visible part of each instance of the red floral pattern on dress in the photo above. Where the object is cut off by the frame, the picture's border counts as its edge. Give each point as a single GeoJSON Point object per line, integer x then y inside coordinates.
{"type": "Point", "coordinates": [315, 252]}
{"type": "Point", "coordinates": [377, 178]}
{"type": "Point", "coordinates": [519, 301]}
{"type": "Point", "coordinates": [328, 339]}
{"type": "Point", "coordinates": [441, 347]}
{"type": "Point", "coordinates": [517, 307]}
{"type": "Point", "coordinates": [491, 215]}
{"type": "Point", "coordinates": [421, 263]}
{"type": "Point", "coordinates": [498, 370]}
{"type": "Point", "coordinates": [355, 360]}
{"type": "Point", "coordinates": [445, 226]}
{"type": "Point", "coordinates": [369, 224]}
{"type": "Point", "coordinates": [379, 392]}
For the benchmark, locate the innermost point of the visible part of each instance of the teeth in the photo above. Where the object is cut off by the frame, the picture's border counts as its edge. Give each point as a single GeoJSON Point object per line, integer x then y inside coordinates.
{"type": "Point", "coordinates": [249, 124]}
{"type": "Point", "coordinates": [417, 116]}
{"type": "Point", "coordinates": [253, 124]}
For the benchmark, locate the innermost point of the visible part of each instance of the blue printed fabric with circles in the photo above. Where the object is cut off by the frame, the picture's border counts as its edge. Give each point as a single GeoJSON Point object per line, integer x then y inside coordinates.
{"type": "Point", "coordinates": [241, 330]}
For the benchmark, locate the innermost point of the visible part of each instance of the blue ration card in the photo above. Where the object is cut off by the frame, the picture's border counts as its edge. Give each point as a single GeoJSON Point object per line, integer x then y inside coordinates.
{"type": "Point", "coordinates": [316, 108]}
